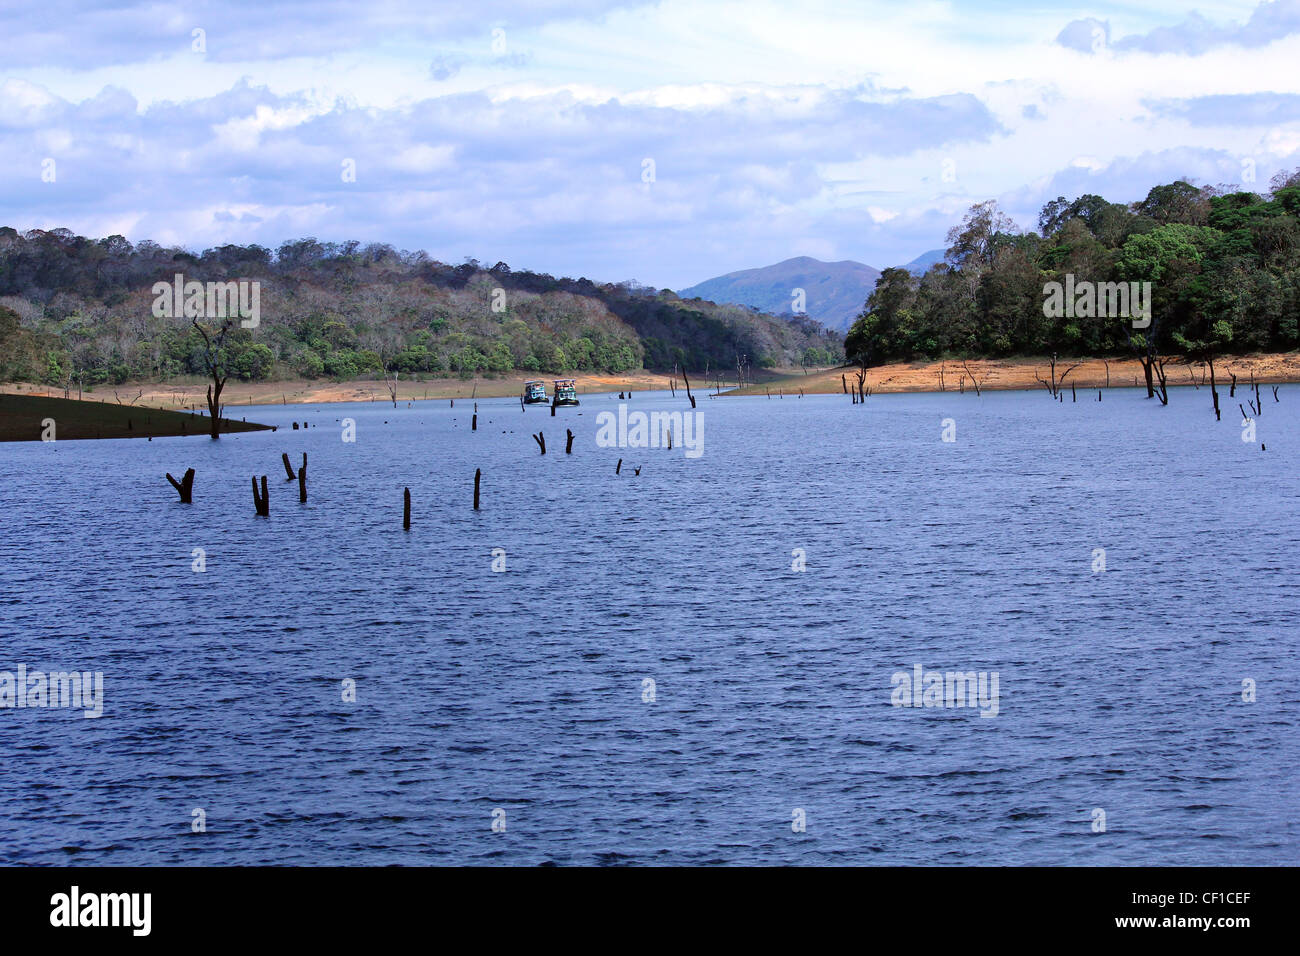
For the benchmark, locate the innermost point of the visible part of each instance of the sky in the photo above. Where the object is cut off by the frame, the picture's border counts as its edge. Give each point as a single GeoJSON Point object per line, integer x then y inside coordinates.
{"type": "Point", "coordinates": [665, 142]}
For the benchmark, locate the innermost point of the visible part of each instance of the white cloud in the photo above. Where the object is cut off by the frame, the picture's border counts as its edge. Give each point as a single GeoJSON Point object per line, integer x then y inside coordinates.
{"type": "Point", "coordinates": [861, 129]}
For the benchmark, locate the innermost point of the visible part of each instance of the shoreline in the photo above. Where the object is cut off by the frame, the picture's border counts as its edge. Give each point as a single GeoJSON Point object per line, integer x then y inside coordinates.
{"type": "Point", "coordinates": [899, 377]}
{"type": "Point", "coordinates": [1028, 374]}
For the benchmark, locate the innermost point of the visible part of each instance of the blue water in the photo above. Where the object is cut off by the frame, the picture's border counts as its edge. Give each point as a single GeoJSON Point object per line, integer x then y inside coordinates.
{"type": "Point", "coordinates": [523, 690]}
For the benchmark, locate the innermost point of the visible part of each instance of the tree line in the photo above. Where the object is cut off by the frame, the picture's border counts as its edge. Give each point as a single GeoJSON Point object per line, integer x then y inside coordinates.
{"type": "Point", "coordinates": [75, 310]}
{"type": "Point", "coordinates": [1223, 265]}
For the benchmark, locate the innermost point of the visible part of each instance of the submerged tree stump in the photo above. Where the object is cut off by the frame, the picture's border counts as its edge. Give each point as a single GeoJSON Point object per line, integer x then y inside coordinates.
{"type": "Point", "coordinates": [184, 487]}
{"type": "Point", "coordinates": [541, 439]}
{"type": "Point", "coordinates": [261, 502]}
{"type": "Point", "coordinates": [478, 474]}
{"type": "Point", "coordinates": [288, 468]}
{"type": "Point", "coordinates": [302, 479]}
{"type": "Point", "coordinates": [568, 446]}
{"type": "Point", "coordinates": [406, 509]}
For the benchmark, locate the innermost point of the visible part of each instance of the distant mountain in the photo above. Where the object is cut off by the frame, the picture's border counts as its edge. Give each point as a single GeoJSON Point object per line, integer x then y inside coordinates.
{"type": "Point", "coordinates": [834, 292]}
{"type": "Point", "coordinates": [921, 264]}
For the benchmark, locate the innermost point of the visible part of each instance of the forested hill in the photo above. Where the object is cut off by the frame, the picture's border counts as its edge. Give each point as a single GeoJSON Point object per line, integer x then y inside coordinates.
{"type": "Point", "coordinates": [1223, 266]}
{"type": "Point", "coordinates": [78, 309]}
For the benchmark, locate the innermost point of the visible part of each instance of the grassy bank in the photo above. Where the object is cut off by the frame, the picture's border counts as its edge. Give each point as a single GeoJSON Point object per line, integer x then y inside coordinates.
{"type": "Point", "coordinates": [22, 418]}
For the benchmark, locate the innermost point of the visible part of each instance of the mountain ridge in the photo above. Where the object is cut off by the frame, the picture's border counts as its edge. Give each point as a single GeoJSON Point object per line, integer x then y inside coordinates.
{"type": "Point", "coordinates": [834, 293]}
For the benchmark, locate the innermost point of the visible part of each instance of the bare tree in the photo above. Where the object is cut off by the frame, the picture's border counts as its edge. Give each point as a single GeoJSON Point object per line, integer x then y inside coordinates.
{"type": "Point", "coordinates": [390, 378]}
{"type": "Point", "coordinates": [215, 361]}
{"type": "Point", "coordinates": [1055, 385]}
{"type": "Point", "coordinates": [1153, 366]}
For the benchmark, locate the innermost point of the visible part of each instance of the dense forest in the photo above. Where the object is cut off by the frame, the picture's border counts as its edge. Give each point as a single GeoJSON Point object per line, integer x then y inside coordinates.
{"type": "Point", "coordinates": [80, 311]}
{"type": "Point", "coordinates": [1224, 268]}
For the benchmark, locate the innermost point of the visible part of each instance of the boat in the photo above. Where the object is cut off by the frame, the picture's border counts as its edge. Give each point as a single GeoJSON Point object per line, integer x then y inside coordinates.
{"type": "Point", "coordinates": [535, 393]}
{"type": "Point", "coordinates": [565, 392]}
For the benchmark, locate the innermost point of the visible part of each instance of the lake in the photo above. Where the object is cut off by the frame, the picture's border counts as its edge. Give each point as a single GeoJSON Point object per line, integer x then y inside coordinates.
{"type": "Point", "coordinates": [650, 680]}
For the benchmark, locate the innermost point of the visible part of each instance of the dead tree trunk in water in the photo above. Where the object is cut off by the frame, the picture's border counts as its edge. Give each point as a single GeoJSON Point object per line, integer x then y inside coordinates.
{"type": "Point", "coordinates": [302, 479]}
{"type": "Point", "coordinates": [1214, 392]}
{"type": "Point", "coordinates": [541, 441]}
{"type": "Point", "coordinates": [406, 509]}
{"type": "Point", "coordinates": [1055, 386]}
{"type": "Point", "coordinates": [478, 473]}
{"type": "Point", "coordinates": [261, 503]}
{"type": "Point", "coordinates": [568, 446]}
{"type": "Point", "coordinates": [687, 382]}
{"type": "Point", "coordinates": [391, 382]}
{"type": "Point", "coordinates": [184, 487]}
{"type": "Point", "coordinates": [1147, 364]}
{"type": "Point", "coordinates": [1162, 385]}
{"type": "Point", "coordinates": [1153, 366]}
{"type": "Point", "coordinates": [288, 468]}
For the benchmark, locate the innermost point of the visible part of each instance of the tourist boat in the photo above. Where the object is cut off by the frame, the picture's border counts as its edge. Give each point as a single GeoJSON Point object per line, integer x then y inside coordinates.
{"type": "Point", "coordinates": [565, 392]}
{"type": "Point", "coordinates": [534, 393]}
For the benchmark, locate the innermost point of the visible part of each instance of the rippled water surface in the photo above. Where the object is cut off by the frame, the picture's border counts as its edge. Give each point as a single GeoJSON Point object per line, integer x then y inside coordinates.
{"type": "Point", "coordinates": [523, 690]}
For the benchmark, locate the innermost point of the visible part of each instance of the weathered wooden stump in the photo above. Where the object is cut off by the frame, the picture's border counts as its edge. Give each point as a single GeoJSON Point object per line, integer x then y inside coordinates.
{"type": "Point", "coordinates": [288, 468]}
{"type": "Point", "coordinates": [406, 509]}
{"type": "Point", "coordinates": [302, 479]}
{"type": "Point", "coordinates": [184, 487]}
{"type": "Point", "coordinates": [541, 440]}
{"type": "Point", "coordinates": [568, 445]}
{"type": "Point", "coordinates": [478, 474]}
{"type": "Point", "coordinates": [473, 424]}
{"type": "Point", "coordinates": [619, 467]}
{"type": "Point", "coordinates": [261, 502]}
